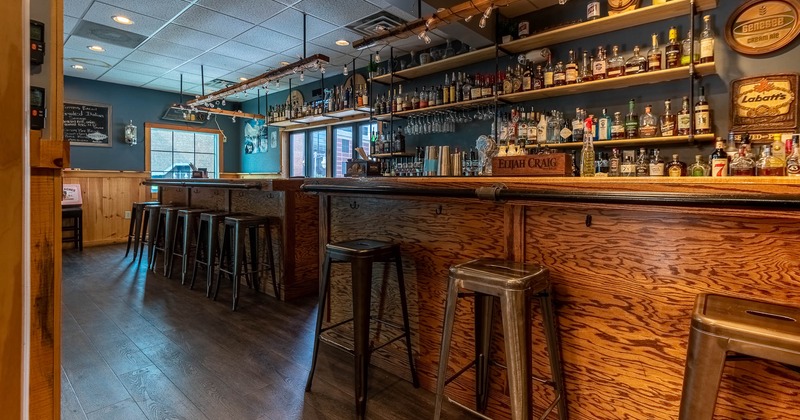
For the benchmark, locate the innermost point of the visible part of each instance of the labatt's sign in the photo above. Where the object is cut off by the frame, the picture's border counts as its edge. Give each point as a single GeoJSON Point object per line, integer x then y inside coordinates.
{"type": "Point", "coordinates": [765, 103]}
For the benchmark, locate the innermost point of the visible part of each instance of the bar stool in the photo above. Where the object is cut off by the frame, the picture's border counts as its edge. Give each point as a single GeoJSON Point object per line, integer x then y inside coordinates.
{"type": "Point", "coordinates": [208, 245]}
{"type": "Point", "coordinates": [150, 212]}
{"type": "Point", "coordinates": [722, 324]}
{"type": "Point", "coordinates": [135, 228]}
{"type": "Point", "coordinates": [164, 233]}
{"type": "Point", "coordinates": [514, 283]}
{"type": "Point", "coordinates": [361, 254]}
{"type": "Point", "coordinates": [187, 222]}
{"type": "Point", "coordinates": [75, 214]}
{"type": "Point", "coordinates": [233, 248]}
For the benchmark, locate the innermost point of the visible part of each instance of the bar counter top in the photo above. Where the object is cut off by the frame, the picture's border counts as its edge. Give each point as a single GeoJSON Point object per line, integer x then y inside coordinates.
{"type": "Point", "coordinates": [264, 184]}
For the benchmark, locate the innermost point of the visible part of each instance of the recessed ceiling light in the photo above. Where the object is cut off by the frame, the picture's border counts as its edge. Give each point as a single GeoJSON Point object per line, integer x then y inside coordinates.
{"type": "Point", "coordinates": [284, 63]}
{"type": "Point", "coordinates": [242, 79]}
{"type": "Point", "coordinates": [342, 43]}
{"type": "Point", "coordinates": [77, 67]}
{"type": "Point", "coordinates": [96, 48]}
{"type": "Point", "coordinates": [122, 20]}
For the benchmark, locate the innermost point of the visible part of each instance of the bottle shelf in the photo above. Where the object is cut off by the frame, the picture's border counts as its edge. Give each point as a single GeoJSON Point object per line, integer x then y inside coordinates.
{"type": "Point", "coordinates": [645, 15]}
{"type": "Point", "coordinates": [312, 119]}
{"type": "Point", "coordinates": [391, 155]}
{"type": "Point", "coordinates": [342, 113]}
{"type": "Point", "coordinates": [458, 106]}
{"type": "Point", "coordinates": [650, 141]}
{"type": "Point", "coordinates": [607, 84]}
{"type": "Point", "coordinates": [439, 66]}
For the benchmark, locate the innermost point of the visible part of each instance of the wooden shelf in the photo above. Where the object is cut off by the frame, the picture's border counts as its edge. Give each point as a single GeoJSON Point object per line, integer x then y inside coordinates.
{"type": "Point", "coordinates": [645, 15]}
{"type": "Point", "coordinates": [342, 113]}
{"type": "Point", "coordinates": [391, 155]}
{"type": "Point", "coordinates": [313, 119]}
{"type": "Point", "coordinates": [297, 125]}
{"type": "Point", "coordinates": [606, 84]}
{"type": "Point", "coordinates": [446, 64]}
{"type": "Point", "coordinates": [434, 109]}
{"type": "Point", "coordinates": [285, 123]}
{"type": "Point", "coordinates": [641, 142]}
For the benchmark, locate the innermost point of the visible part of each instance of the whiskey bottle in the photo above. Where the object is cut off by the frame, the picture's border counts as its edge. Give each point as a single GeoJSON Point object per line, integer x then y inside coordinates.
{"type": "Point", "coordinates": [604, 163]}
{"type": "Point", "coordinates": [616, 64]}
{"type": "Point", "coordinates": [668, 121]}
{"type": "Point", "coordinates": [454, 91]}
{"type": "Point", "coordinates": [585, 72]}
{"type": "Point", "coordinates": [560, 74]}
{"type": "Point", "coordinates": [538, 78]}
{"type": "Point", "coordinates": [527, 78]}
{"type": "Point", "coordinates": [699, 168]}
{"type": "Point", "coordinates": [571, 72]}
{"type": "Point", "coordinates": [642, 163]}
{"type": "Point", "coordinates": [793, 161]}
{"type": "Point", "coordinates": [654, 55]}
{"type": "Point", "coordinates": [719, 160]}
{"type": "Point", "coordinates": [477, 87]}
{"type": "Point", "coordinates": [618, 127]}
{"type": "Point", "coordinates": [741, 165]}
{"type": "Point", "coordinates": [673, 49]}
{"type": "Point", "coordinates": [614, 164]}
{"type": "Point", "coordinates": [631, 121]}
{"type": "Point", "coordinates": [600, 65]}
{"type": "Point", "coordinates": [684, 118]}
{"type": "Point", "coordinates": [549, 73]}
{"type": "Point", "coordinates": [466, 88]}
{"type": "Point", "coordinates": [769, 165]}
{"type": "Point", "coordinates": [533, 132]}
{"type": "Point", "coordinates": [415, 99]}
{"type": "Point", "coordinates": [702, 114]}
{"type": "Point", "coordinates": [587, 156]}
{"type": "Point", "coordinates": [636, 64]}
{"type": "Point", "coordinates": [628, 167]}
{"type": "Point", "coordinates": [707, 41]}
{"type": "Point", "coordinates": [648, 125]}
{"type": "Point", "coordinates": [656, 164]}
{"type": "Point", "coordinates": [578, 125]}
{"type": "Point", "coordinates": [676, 167]}
{"type": "Point", "coordinates": [778, 148]}
{"type": "Point", "coordinates": [604, 126]}
{"type": "Point", "coordinates": [686, 46]}
{"type": "Point", "coordinates": [446, 90]}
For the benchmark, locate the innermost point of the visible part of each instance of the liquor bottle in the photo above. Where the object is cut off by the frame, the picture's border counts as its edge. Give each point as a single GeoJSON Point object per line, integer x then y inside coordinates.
{"type": "Point", "coordinates": [560, 74]}
{"type": "Point", "coordinates": [686, 45]}
{"type": "Point", "coordinates": [702, 114]}
{"type": "Point", "coordinates": [438, 96]}
{"type": "Point", "coordinates": [522, 133]}
{"type": "Point", "coordinates": [637, 63]}
{"type": "Point", "coordinates": [699, 168]}
{"type": "Point", "coordinates": [549, 73]}
{"type": "Point", "coordinates": [731, 149]}
{"type": "Point", "coordinates": [453, 88]}
{"type": "Point", "coordinates": [643, 163]}
{"type": "Point", "coordinates": [565, 130]}
{"type": "Point", "coordinates": [516, 79]}
{"type": "Point", "coordinates": [676, 167]}
{"type": "Point", "coordinates": [656, 164]}
{"type": "Point", "coordinates": [707, 41]}
{"type": "Point", "coordinates": [614, 164]}
{"type": "Point", "coordinates": [769, 165]}
{"type": "Point", "coordinates": [603, 167]}
{"type": "Point", "coordinates": [628, 167]}
{"type": "Point", "coordinates": [719, 160]}
{"type": "Point", "coordinates": [446, 90]}
{"type": "Point", "coordinates": [587, 156]}
{"type": "Point", "coordinates": [741, 165]}
{"type": "Point", "coordinates": [631, 121]}
{"type": "Point", "coordinates": [654, 55]}
{"type": "Point", "coordinates": [604, 126]}
{"type": "Point", "coordinates": [593, 10]}
{"type": "Point", "coordinates": [578, 125]}
{"type": "Point", "coordinates": [415, 99]}
{"type": "Point", "coordinates": [667, 121]}
{"type": "Point", "coordinates": [399, 99]}
{"type": "Point", "coordinates": [538, 78]}
{"type": "Point", "coordinates": [600, 65]}
{"type": "Point", "coordinates": [793, 161]}
{"type": "Point", "coordinates": [571, 71]}
{"type": "Point", "coordinates": [616, 64]}
{"type": "Point", "coordinates": [585, 71]}
{"type": "Point", "coordinates": [684, 118]}
{"type": "Point", "coordinates": [527, 78]}
{"type": "Point", "coordinates": [476, 91]}
{"type": "Point", "coordinates": [618, 127]}
{"type": "Point", "coordinates": [486, 88]}
{"type": "Point", "coordinates": [778, 148]}
{"type": "Point", "coordinates": [648, 123]}
{"type": "Point", "coordinates": [673, 49]}
{"type": "Point", "coordinates": [533, 132]}
{"type": "Point", "coordinates": [466, 88]}
{"type": "Point", "coordinates": [407, 102]}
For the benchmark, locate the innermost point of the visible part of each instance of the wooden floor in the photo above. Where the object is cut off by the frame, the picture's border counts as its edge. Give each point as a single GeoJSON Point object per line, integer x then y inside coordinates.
{"type": "Point", "coordinates": [137, 345]}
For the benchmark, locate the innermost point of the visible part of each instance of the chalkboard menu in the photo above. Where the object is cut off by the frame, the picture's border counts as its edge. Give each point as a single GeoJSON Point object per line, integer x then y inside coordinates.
{"type": "Point", "coordinates": [87, 124]}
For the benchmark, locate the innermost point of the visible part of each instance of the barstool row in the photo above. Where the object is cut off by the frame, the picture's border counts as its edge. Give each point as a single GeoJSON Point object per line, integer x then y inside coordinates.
{"type": "Point", "coordinates": [172, 232]}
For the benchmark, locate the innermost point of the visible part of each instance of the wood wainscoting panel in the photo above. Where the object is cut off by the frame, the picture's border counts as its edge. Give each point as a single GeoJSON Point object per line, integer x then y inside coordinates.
{"type": "Point", "coordinates": [107, 196]}
{"type": "Point", "coordinates": [625, 283]}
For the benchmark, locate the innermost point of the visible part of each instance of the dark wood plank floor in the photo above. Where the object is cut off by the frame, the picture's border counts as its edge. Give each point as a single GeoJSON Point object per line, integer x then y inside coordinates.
{"type": "Point", "coordinates": [137, 345]}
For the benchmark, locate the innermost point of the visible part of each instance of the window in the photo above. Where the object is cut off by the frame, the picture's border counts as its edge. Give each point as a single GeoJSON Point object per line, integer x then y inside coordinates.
{"type": "Point", "coordinates": [319, 154]}
{"type": "Point", "coordinates": [297, 154]}
{"type": "Point", "coordinates": [366, 131]}
{"type": "Point", "coordinates": [175, 152]}
{"type": "Point", "coordinates": [343, 149]}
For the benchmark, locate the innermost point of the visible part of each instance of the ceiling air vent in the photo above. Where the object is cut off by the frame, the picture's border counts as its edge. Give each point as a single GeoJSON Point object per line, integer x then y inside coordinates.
{"type": "Point", "coordinates": [369, 25]}
{"type": "Point", "coordinates": [108, 34]}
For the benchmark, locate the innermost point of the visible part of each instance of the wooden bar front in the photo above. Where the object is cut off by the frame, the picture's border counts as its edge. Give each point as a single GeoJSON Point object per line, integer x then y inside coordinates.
{"type": "Point", "coordinates": [627, 258]}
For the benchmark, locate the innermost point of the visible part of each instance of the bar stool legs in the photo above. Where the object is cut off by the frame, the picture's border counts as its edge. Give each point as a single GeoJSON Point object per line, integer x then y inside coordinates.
{"type": "Point", "coordinates": [701, 380]}
{"type": "Point", "coordinates": [134, 216]}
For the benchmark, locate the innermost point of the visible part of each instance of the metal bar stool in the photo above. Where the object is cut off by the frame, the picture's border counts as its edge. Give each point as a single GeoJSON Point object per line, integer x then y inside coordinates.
{"type": "Point", "coordinates": [135, 228]}
{"type": "Point", "coordinates": [208, 245]}
{"type": "Point", "coordinates": [233, 248]}
{"type": "Point", "coordinates": [150, 212]}
{"type": "Point", "coordinates": [361, 254]}
{"type": "Point", "coordinates": [722, 324]}
{"type": "Point", "coordinates": [514, 283]}
{"type": "Point", "coordinates": [186, 225]}
{"type": "Point", "coordinates": [163, 235]}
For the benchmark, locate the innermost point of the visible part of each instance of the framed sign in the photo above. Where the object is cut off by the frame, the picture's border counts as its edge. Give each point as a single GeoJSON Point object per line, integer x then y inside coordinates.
{"type": "Point", "coordinates": [763, 26]}
{"type": "Point", "coordinates": [764, 104]}
{"type": "Point", "coordinates": [87, 124]}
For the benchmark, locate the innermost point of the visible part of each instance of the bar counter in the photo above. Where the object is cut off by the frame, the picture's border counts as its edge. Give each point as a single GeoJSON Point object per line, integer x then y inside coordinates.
{"type": "Point", "coordinates": [627, 258]}
{"type": "Point", "coordinates": [279, 198]}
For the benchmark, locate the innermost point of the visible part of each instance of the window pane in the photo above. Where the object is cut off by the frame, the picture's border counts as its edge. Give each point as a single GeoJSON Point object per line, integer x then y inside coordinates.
{"type": "Point", "coordinates": [319, 153]}
{"type": "Point", "coordinates": [175, 153]}
{"type": "Point", "coordinates": [204, 143]}
{"type": "Point", "coordinates": [202, 160]}
{"type": "Point", "coordinates": [160, 161]}
{"type": "Point", "coordinates": [344, 149]}
{"type": "Point", "coordinates": [366, 131]}
{"type": "Point", "coordinates": [184, 143]}
{"type": "Point", "coordinates": [297, 152]}
{"type": "Point", "coordinates": [160, 139]}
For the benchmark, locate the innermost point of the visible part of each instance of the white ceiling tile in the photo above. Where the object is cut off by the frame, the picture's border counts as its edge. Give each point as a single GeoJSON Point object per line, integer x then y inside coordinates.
{"type": "Point", "coordinates": [188, 78]}
{"type": "Point", "coordinates": [317, 27]}
{"type": "Point", "coordinates": [253, 70]}
{"type": "Point", "coordinates": [329, 41]}
{"type": "Point", "coordinates": [125, 78]}
{"type": "Point", "coordinates": [167, 84]}
{"type": "Point", "coordinates": [80, 44]}
{"type": "Point", "coordinates": [311, 49]}
{"type": "Point", "coordinates": [380, 3]}
{"type": "Point", "coordinates": [211, 22]}
{"type": "Point", "coordinates": [89, 72]}
{"type": "Point", "coordinates": [143, 25]}
{"type": "Point", "coordinates": [242, 51]}
{"type": "Point", "coordinates": [69, 23]}
{"type": "Point", "coordinates": [275, 61]}
{"type": "Point", "coordinates": [207, 71]}
{"type": "Point", "coordinates": [76, 8]}
{"type": "Point", "coordinates": [289, 22]}
{"type": "Point", "coordinates": [407, 14]}
{"type": "Point", "coordinates": [189, 37]}
{"type": "Point", "coordinates": [159, 9]}
{"type": "Point", "coordinates": [268, 39]}
{"type": "Point", "coordinates": [89, 59]}
{"type": "Point", "coordinates": [338, 12]}
{"type": "Point", "coordinates": [288, 2]}
{"type": "Point", "coordinates": [221, 61]}
{"type": "Point", "coordinates": [144, 57]}
{"type": "Point", "coordinates": [139, 68]}
{"type": "Point", "coordinates": [170, 49]}
{"type": "Point", "coordinates": [253, 11]}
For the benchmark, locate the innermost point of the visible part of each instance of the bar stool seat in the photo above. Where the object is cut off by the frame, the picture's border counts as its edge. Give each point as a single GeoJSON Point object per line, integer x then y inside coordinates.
{"type": "Point", "coordinates": [514, 283]}
{"type": "Point", "coordinates": [722, 324]}
{"type": "Point", "coordinates": [135, 228]}
{"type": "Point", "coordinates": [361, 254]}
{"type": "Point", "coordinates": [186, 225]}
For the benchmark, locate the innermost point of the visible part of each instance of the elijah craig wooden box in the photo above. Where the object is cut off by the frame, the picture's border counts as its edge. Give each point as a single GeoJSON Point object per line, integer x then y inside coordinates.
{"type": "Point", "coordinates": [554, 164]}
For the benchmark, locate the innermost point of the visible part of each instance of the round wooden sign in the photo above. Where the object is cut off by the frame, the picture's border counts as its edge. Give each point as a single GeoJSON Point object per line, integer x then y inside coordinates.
{"type": "Point", "coordinates": [763, 26]}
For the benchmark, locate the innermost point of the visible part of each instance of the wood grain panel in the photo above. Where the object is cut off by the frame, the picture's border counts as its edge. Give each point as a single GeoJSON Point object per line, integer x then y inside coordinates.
{"type": "Point", "coordinates": [106, 198]}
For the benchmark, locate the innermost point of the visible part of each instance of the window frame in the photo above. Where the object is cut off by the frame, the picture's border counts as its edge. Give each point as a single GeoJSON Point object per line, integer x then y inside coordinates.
{"type": "Point", "coordinates": [290, 149]}
{"type": "Point", "coordinates": [148, 126]}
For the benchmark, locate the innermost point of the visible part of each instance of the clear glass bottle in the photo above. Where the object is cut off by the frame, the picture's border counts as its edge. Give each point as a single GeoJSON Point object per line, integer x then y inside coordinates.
{"type": "Point", "coordinates": [657, 164]}
{"type": "Point", "coordinates": [741, 165]}
{"type": "Point", "coordinates": [466, 89]}
{"type": "Point", "coordinates": [793, 161]}
{"type": "Point", "coordinates": [643, 163]}
{"type": "Point", "coordinates": [549, 73]}
{"type": "Point", "coordinates": [685, 50]}
{"type": "Point", "coordinates": [615, 164]}
{"type": "Point", "coordinates": [632, 121]}
{"type": "Point", "coordinates": [667, 122]}
{"type": "Point", "coordinates": [577, 125]}
{"type": "Point", "coordinates": [636, 64]}
{"type": "Point", "coordinates": [707, 41]}
{"type": "Point", "coordinates": [617, 127]}
{"type": "Point", "coordinates": [702, 114]}
{"type": "Point", "coordinates": [628, 167]}
{"type": "Point", "coordinates": [719, 160]}
{"type": "Point", "coordinates": [769, 165]}
{"type": "Point", "coordinates": [654, 55]}
{"type": "Point", "coordinates": [571, 71]}
{"type": "Point", "coordinates": [560, 74]}
{"type": "Point", "coordinates": [415, 99]}
{"type": "Point", "coordinates": [699, 168]}
{"type": "Point", "coordinates": [673, 49]}
{"type": "Point", "coordinates": [616, 64]}
{"type": "Point", "coordinates": [587, 157]}
{"type": "Point", "coordinates": [604, 126]}
{"type": "Point", "coordinates": [684, 118]}
{"type": "Point", "coordinates": [778, 148]}
{"type": "Point", "coordinates": [648, 123]}
{"type": "Point", "coordinates": [585, 71]}
{"type": "Point", "coordinates": [600, 65]}
{"type": "Point", "coordinates": [676, 167]}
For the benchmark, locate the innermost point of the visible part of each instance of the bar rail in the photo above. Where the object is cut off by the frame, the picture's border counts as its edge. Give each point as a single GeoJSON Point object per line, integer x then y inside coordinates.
{"type": "Point", "coordinates": [202, 183]}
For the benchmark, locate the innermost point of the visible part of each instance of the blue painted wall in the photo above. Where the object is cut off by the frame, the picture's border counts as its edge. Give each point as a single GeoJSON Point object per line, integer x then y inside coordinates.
{"type": "Point", "coordinates": [140, 105]}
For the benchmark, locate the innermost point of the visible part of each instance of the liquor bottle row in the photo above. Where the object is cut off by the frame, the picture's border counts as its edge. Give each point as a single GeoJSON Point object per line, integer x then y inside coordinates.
{"type": "Point", "coordinates": [460, 87]}
{"type": "Point", "coordinates": [336, 98]}
{"type": "Point", "coordinates": [381, 143]}
{"type": "Point", "coordinates": [434, 161]}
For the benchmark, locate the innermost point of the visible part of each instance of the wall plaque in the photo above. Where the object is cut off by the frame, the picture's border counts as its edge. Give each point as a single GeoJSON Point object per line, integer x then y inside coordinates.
{"type": "Point", "coordinates": [764, 104]}
{"type": "Point", "coordinates": [763, 26]}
